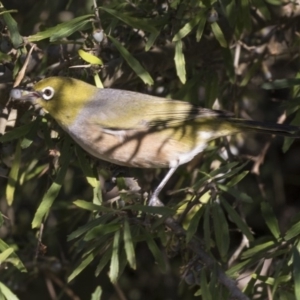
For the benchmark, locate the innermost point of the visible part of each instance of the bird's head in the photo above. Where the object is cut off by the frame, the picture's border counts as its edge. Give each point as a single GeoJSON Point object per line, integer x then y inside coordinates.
{"type": "Point", "coordinates": [62, 97]}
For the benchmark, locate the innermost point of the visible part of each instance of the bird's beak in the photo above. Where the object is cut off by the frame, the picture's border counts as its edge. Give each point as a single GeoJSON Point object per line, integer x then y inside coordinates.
{"type": "Point", "coordinates": [20, 94]}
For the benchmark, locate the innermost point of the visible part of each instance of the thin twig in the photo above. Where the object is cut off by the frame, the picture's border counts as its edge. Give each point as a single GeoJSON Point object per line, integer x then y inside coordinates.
{"type": "Point", "coordinates": [196, 245]}
{"type": "Point", "coordinates": [40, 234]}
{"type": "Point", "coordinates": [119, 291]}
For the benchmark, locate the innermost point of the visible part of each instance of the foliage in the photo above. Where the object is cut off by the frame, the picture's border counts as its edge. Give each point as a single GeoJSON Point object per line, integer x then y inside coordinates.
{"type": "Point", "coordinates": [75, 227]}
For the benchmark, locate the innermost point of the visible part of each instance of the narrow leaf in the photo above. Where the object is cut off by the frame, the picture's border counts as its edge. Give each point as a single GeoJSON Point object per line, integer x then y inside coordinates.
{"type": "Point", "coordinates": [103, 261]}
{"type": "Point", "coordinates": [180, 61]}
{"type": "Point", "coordinates": [133, 62]}
{"type": "Point", "coordinates": [62, 30]}
{"type": "Point", "coordinates": [292, 231]}
{"type": "Point", "coordinates": [200, 29]}
{"type": "Point", "coordinates": [98, 81]}
{"type": "Point", "coordinates": [13, 176]}
{"type": "Point", "coordinates": [97, 294]}
{"type": "Point", "coordinates": [218, 34]}
{"type": "Point", "coordinates": [204, 286]}
{"type": "Point", "coordinates": [281, 84]}
{"type": "Point", "coordinates": [143, 24]}
{"type": "Point", "coordinates": [270, 219]}
{"type": "Point", "coordinates": [85, 262]}
{"type": "Point", "coordinates": [235, 217]}
{"type": "Point", "coordinates": [16, 133]}
{"type": "Point", "coordinates": [246, 16]}
{"type": "Point", "coordinates": [5, 254]}
{"type": "Point", "coordinates": [114, 263]}
{"type": "Point", "coordinates": [55, 187]}
{"type": "Point", "coordinates": [12, 26]}
{"type": "Point", "coordinates": [129, 247]}
{"type": "Point", "coordinates": [193, 226]}
{"type": "Point", "coordinates": [13, 258]}
{"type": "Point", "coordinates": [90, 58]}
{"type": "Point", "coordinates": [151, 39]}
{"type": "Point", "coordinates": [7, 293]}
{"type": "Point", "coordinates": [221, 229]}
{"type": "Point", "coordinates": [155, 250]}
{"type": "Point", "coordinates": [187, 28]}
{"type": "Point", "coordinates": [296, 270]}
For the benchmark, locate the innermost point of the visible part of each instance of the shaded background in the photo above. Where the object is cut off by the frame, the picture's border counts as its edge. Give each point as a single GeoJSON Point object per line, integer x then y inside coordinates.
{"type": "Point", "coordinates": [261, 45]}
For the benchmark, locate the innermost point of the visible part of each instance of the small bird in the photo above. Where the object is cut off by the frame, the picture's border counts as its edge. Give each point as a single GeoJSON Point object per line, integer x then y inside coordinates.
{"type": "Point", "coordinates": [137, 130]}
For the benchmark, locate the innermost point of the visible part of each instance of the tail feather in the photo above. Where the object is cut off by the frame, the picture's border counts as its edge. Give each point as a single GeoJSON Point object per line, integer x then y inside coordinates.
{"type": "Point", "coordinates": [265, 127]}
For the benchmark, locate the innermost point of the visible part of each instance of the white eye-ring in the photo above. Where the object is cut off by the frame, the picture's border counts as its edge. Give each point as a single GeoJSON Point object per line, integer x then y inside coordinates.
{"type": "Point", "coordinates": [48, 93]}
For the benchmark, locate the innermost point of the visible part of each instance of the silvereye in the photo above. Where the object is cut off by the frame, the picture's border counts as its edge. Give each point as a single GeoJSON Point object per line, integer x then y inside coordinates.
{"type": "Point", "coordinates": [133, 129]}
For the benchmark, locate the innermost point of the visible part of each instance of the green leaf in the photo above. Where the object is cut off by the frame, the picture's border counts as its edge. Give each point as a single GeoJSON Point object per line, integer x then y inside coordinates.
{"type": "Point", "coordinates": [143, 24]}
{"type": "Point", "coordinates": [84, 263]}
{"type": "Point", "coordinates": [238, 267]}
{"type": "Point", "coordinates": [250, 72]}
{"type": "Point", "coordinates": [275, 2]}
{"type": "Point", "coordinates": [211, 89]}
{"type": "Point", "coordinates": [89, 226]}
{"type": "Point", "coordinates": [193, 226]}
{"type": "Point", "coordinates": [228, 62]}
{"type": "Point", "coordinates": [132, 62]}
{"type": "Point", "coordinates": [62, 30]}
{"type": "Point", "coordinates": [163, 211]}
{"type": "Point", "coordinates": [237, 194]}
{"type": "Point", "coordinates": [155, 250]}
{"type": "Point", "coordinates": [1, 219]}
{"type": "Point", "coordinates": [12, 27]}
{"type": "Point", "coordinates": [206, 225]}
{"type": "Point", "coordinates": [102, 230]}
{"type": "Point", "coordinates": [151, 39]}
{"type": "Point", "coordinates": [98, 81]}
{"type": "Point", "coordinates": [86, 167]}
{"type": "Point", "coordinates": [7, 293]}
{"type": "Point", "coordinates": [97, 294]}
{"type": "Point", "coordinates": [262, 7]}
{"type": "Point", "coordinates": [180, 61]}
{"type": "Point", "coordinates": [246, 16]}
{"type": "Point", "coordinates": [129, 247]}
{"type": "Point", "coordinates": [281, 84]}
{"type": "Point", "coordinates": [88, 205]}
{"type": "Point", "coordinates": [270, 219]}
{"type": "Point", "coordinates": [235, 217]}
{"type": "Point", "coordinates": [218, 34]}
{"type": "Point", "coordinates": [13, 258]}
{"type": "Point", "coordinates": [200, 29]}
{"type": "Point", "coordinates": [114, 263]}
{"type": "Point", "coordinates": [103, 261]}
{"type": "Point", "coordinates": [16, 133]}
{"type": "Point", "coordinates": [204, 286]}
{"type": "Point", "coordinates": [13, 176]}
{"type": "Point", "coordinates": [220, 229]}
{"type": "Point", "coordinates": [188, 27]}
{"type": "Point", "coordinates": [235, 180]}
{"type": "Point", "coordinates": [292, 231]}
{"type": "Point", "coordinates": [289, 141]}
{"type": "Point", "coordinates": [5, 254]}
{"type": "Point", "coordinates": [90, 58]}
{"type": "Point", "coordinates": [55, 187]}
{"type": "Point", "coordinates": [262, 247]}
{"type": "Point", "coordinates": [296, 270]}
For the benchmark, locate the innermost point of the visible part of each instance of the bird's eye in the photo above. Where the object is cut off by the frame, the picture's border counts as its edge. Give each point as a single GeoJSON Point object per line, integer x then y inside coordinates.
{"type": "Point", "coordinates": [48, 93]}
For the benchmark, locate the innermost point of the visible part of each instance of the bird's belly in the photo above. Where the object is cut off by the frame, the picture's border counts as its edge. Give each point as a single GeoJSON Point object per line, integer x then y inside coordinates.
{"type": "Point", "coordinates": [134, 148]}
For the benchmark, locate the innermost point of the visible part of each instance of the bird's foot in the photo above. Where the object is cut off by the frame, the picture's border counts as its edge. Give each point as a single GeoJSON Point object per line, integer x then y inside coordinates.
{"type": "Point", "coordinates": [154, 201]}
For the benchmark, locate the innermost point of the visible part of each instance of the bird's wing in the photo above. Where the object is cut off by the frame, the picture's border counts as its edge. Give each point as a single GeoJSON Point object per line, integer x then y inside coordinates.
{"type": "Point", "coordinates": [124, 110]}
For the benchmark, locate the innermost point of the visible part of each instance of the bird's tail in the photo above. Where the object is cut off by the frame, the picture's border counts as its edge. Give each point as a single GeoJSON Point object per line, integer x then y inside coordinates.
{"type": "Point", "coordinates": [265, 127]}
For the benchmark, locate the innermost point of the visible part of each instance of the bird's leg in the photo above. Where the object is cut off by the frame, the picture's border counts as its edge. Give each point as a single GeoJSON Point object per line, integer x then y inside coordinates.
{"type": "Point", "coordinates": [154, 200]}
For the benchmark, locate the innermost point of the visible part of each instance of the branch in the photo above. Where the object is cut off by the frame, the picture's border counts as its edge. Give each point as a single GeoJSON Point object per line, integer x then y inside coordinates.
{"type": "Point", "coordinates": [196, 245]}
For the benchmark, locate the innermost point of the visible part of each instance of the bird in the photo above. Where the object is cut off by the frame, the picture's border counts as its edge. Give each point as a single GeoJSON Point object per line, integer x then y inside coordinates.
{"type": "Point", "coordinates": [137, 130]}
